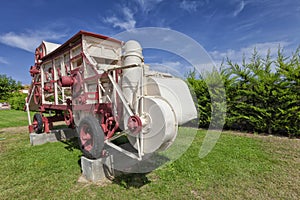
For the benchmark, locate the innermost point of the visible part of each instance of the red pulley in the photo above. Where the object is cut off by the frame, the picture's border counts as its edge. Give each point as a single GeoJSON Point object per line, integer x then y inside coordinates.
{"type": "Point", "coordinates": [134, 124]}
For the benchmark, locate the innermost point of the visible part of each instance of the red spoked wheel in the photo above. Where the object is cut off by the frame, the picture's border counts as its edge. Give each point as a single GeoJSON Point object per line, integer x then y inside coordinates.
{"type": "Point", "coordinates": [37, 95]}
{"type": "Point", "coordinates": [68, 116]}
{"type": "Point", "coordinates": [91, 137]}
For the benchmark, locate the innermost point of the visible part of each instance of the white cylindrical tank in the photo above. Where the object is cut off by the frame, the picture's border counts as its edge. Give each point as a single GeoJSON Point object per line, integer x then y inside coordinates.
{"type": "Point", "coordinates": [131, 76]}
{"type": "Point", "coordinates": [133, 54]}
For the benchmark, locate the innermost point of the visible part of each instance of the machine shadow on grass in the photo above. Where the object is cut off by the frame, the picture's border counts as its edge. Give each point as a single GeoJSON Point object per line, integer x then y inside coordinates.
{"type": "Point", "coordinates": [132, 176]}
{"type": "Point", "coordinates": [133, 180]}
{"type": "Point", "coordinates": [135, 174]}
{"type": "Point", "coordinates": [71, 144]}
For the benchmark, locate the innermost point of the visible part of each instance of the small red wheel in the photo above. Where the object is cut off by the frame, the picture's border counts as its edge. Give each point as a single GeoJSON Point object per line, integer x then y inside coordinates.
{"type": "Point", "coordinates": [37, 123]}
{"type": "Point", "coordinates": [134, 124]}
{"type": "Point", "coordinates": [68, 116]}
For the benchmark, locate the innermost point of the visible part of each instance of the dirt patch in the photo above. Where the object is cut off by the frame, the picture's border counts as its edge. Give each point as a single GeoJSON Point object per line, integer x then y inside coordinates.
{"type": "Point", "coordinates": [263, 136]}
{"type": "Point", "coordinates": [24, 129]}
{"type": "Point", "coordinates": [286, 149]}
{"type": "Point", "coordinates": [14, 130]}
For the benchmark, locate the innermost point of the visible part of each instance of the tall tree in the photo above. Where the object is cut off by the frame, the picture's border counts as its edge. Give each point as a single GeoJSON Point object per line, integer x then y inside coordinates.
{"type": "Point", "coordinates": [7, 87]}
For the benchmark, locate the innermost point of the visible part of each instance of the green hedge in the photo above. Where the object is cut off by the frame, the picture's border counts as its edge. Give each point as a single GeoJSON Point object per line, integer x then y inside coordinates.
{"type": "Point", "coordinates": [262, 95]}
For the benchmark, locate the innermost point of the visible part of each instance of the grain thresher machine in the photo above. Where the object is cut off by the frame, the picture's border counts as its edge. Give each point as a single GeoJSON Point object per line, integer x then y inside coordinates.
{"type": "Point", "coordinates": [101, 87]}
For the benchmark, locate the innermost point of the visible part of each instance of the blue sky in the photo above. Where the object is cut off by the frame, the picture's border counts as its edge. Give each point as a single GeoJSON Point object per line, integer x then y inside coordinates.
{"type": "Point", "coordinates": [224, 28]}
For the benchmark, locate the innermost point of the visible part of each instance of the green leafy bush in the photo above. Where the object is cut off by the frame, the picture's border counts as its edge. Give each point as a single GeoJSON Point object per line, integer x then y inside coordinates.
{"type": "Point", "coordinates": [7, 87]}
{"type": "Point", "coordinates": [262, 95]}
{"type": "Point", "coordinates": [17, 101]}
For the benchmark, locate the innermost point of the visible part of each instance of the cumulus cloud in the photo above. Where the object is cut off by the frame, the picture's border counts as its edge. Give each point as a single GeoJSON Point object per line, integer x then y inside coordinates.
{"type": "Point", "coordinates": [29, 40]}
{"type": "Point", "coordinates": [127, 21]}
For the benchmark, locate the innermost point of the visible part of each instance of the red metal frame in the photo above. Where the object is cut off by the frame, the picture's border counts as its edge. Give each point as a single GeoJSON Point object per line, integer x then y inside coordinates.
{"type": "Point", "coordinates": [75, 80]}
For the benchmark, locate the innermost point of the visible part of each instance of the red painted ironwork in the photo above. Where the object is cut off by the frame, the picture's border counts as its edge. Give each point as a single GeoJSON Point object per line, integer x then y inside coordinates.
{"type": "Point", "coordinates": [34, 70]}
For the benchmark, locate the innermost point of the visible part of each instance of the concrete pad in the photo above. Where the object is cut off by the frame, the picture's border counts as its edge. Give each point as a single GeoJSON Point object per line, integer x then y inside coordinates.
{"type": "Point", "coordinates": [97, 170]}
{"type": "Point", "coordinates": [54, 136]}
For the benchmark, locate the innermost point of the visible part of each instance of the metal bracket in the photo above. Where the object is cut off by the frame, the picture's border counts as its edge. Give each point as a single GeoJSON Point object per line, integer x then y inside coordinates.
{"type": "Point", "coordinates": [128, 153]}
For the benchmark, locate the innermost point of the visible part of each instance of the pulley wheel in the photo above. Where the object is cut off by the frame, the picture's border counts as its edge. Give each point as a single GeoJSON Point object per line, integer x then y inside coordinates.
{"type": "Point", "coordinates": [159, 126]}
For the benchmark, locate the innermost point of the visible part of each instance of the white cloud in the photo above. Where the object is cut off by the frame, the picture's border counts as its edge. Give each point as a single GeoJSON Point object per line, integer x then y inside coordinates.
{"type": "Point", "coordinates": [28, 41]}
{"type": "Point", "coordinates": [125, 19]}
{"type": "Point", "coordinates": [175, 68]}
{"type": "Point", "coordinates": [190, 6]}
{"type": "Point", "coordinates": [237, 55]}
{"type": "Point", "coordinates": [3, 61]}
{"type": "Point", "coordinates": [127, 22]}
{"type": "Point", "coordinates": [240, 8]}
{"type": "Point", "coordinates": [147, 5]}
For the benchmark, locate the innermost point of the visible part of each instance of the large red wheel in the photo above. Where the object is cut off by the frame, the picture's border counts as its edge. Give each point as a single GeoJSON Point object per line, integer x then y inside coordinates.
{"type": "Point", "coordinates": [91, 137]}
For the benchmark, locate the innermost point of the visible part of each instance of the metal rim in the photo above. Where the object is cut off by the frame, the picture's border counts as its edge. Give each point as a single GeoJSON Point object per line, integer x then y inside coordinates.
{"type": "Point", "coordinates": [86, 137]}
{"type": "Point", "coordinates": [37, 96]}
{"type": "Point", "coordinates": [91, 137]}
{"type": "Point", "coordinates": [68, 117]}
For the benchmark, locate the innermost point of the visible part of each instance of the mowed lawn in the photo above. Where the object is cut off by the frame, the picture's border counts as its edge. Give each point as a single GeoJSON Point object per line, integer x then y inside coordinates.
{"type": "Point", "coordinates": [240, 166]}
{"type": "Point", "coordinates": [13, 118]}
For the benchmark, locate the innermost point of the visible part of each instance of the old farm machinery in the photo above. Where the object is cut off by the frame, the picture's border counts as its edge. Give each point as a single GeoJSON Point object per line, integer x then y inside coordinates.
{"type": "Point", "coordinates": [101, 87]}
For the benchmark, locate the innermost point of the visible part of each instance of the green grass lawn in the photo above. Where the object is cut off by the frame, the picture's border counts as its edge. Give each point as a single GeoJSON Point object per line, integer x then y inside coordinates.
{"type": "Point", "coordinates": [13, 118]}
{"type": "Point", "coordinates": [239, 167]}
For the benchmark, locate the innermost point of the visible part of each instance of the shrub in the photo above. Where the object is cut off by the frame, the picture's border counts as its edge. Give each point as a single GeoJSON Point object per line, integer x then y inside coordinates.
{"type": "Point", "coordinates": [7, 87]}
{"type": "Point", "coordinates": [17, 101]}
{"type": "Point", "coordinates": [262, 95]}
